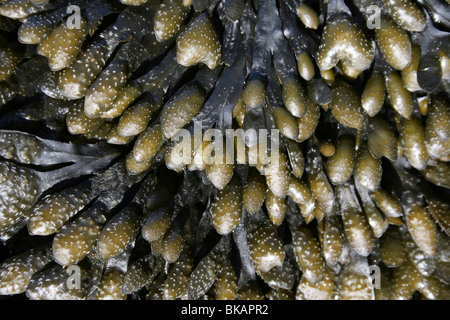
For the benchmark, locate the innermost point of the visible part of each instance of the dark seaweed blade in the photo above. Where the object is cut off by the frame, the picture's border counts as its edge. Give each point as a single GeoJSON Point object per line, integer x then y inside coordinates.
{"type": "Point", "coordinates": [247, 27]}
{"type": "Point", "coordinates": [438, 10]}
{"type": "Point", "coordinates": [200, 5]}
{"type": "Point", "coordinates": [247, 271]}
{"type": "Point", "coordinates": [207, 78]}
{"type": "Point", "coordinates": [334, 7]}
{"type": "Point", "coordinates": [31, 184]}
{"type": "Point", "coordinates": [8, 90]}
{"type": "Point", "coordinates": [29, 75]}
{"type": "Point", "coordinates": [429, 73]}
{"type": "Point", "coordinates": [51, 111]}
{"type": "Point", "coordinates": [85, 166]}
{"type": "Point", "coordinates": [95, 11]}
{"type": "Point", "coordinates": [233, 9]}
{"type": "Point", "coordinates": [164, 76]}
{"type": "Point", "coordinates": [319, 92]}
{"type": "Point", "coordinates": [8, 25]}
{"type": "Point", "coordinates": [113, 183]}
{"type": "Point", "coordinates": [231, 42]}
{"type": "Point", "coordinates": [274, 93]}
{"type": "Point", "coordinates": [219, 106]}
